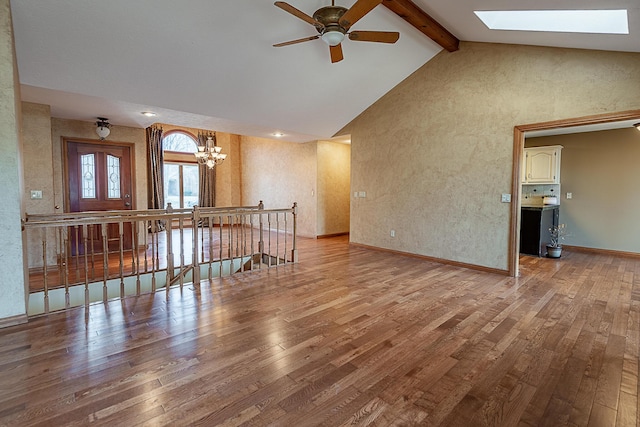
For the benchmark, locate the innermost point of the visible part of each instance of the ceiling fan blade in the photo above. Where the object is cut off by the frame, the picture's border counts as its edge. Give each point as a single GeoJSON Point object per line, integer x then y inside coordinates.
{"type": "Point", "coordinates": [336, 53]}
{"type": "Point", "coordinates": [357, 11]}
{"type": "Point", "coordinates": [374, 36]}
{"type": "Point", "coordinates": [298, 13]}
{"type": "Point", "coordinates": [306, 39]}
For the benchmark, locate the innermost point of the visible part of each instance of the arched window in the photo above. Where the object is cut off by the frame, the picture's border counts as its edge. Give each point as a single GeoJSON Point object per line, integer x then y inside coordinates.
{"type": "Point", "coordinates": [180, 142]}
{"type": "Point", "coordinates": [181, 179]}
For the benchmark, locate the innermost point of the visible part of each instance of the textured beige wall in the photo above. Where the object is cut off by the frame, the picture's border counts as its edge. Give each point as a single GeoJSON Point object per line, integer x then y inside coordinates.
{"type": "Point", "coordinates": [228, 188]}
{"type": "Point", "coordinates": [36, 130]}
{"type": "Point", "coordinates": [435, 153]}
{"type": "Point", "coordinates": [281, 173]}
{"type": "Point", "coordinates": [228, 181]}
{"type": "Point", "coordinates": [334, 174]}
{"type": "Point", "coordinates": [12, 285]}
{"type": "Point", "coordinates": [236, 184]}
{"type": "Point", "coordinates": [87, 131]}
{"type": "Point", "coordinates": [38, 175]}
{"type": "Point", "coordinates": [601, 171]}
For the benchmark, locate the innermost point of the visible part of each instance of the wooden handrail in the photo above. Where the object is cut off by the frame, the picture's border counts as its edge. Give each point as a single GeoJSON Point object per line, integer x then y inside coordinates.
{"type": "Point", "coordinates": [130, 213]}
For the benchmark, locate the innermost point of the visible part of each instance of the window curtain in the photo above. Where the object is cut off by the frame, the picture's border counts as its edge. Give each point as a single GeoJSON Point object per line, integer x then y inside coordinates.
{"type": "Point", "coordinates": [155, 170]}
{"type": "Point", "coordinates": [207, 196]}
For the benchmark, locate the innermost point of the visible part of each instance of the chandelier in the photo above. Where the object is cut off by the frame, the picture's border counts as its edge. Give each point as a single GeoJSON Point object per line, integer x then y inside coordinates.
{"type": "Point", "coordinates": [209, 154]}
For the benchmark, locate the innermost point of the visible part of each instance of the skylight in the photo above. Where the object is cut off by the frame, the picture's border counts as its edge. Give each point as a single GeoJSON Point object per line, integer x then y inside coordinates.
{"type": "Point", "coordinates": [563, 21]}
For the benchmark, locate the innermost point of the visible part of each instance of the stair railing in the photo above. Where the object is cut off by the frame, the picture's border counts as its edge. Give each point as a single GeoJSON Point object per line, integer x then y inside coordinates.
{"type": "Point", "coordinates": [79, 258]}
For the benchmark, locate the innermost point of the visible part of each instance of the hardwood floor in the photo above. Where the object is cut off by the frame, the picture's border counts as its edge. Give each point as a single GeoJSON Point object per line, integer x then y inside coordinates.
{"type": "Point", "coordinates": [349, 336]}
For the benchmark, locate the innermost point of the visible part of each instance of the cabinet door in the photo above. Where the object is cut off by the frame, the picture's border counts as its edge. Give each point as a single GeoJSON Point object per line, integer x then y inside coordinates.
{"type": "Point", "coordinates": [541, 166]}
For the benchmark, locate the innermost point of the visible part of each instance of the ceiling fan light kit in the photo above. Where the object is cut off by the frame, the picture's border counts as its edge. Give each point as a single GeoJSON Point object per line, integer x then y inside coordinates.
{"type": "Point", "coordinates": [332, 38]}
{"type": "Point", "coordinates": [333, 24]}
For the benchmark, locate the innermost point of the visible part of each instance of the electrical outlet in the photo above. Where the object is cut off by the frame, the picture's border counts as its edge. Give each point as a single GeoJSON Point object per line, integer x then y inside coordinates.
{"type": "Point", "coordinates": [506, 198]}
{"type": "Point", "coordinates": [362, 194]}
{"type": "Point", "coordinates": [36, 194]}
{"type": "Point", "coordinates": [569, 195]}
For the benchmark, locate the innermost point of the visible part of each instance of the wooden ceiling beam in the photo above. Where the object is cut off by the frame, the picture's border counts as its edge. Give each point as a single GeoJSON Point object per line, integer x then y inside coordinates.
{"type": "Point", "coordinates": [415, 16]}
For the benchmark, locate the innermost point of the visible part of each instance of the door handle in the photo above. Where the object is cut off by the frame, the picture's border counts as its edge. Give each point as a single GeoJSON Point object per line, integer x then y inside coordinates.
{"type": "Point", "coordinates": [127, 204]}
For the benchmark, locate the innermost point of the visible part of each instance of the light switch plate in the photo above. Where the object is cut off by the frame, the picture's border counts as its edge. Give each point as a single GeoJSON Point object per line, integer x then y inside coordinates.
{"type": "Point", "coordinates": [506, 198]}
{"type": "Point", "coordinates": [36, 194]}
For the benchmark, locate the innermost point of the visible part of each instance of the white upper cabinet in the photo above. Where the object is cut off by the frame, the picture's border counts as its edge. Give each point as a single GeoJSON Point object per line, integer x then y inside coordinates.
{"type": "Point", "coordinates": [542, 165]}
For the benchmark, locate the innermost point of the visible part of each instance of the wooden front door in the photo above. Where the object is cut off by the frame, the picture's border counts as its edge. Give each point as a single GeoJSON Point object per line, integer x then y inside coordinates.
{"type": "Point", "coordinates": [99, 179]}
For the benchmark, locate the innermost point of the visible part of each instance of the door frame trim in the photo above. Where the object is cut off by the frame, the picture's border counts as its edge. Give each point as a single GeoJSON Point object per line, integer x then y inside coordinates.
{"type": "Point", "coordinates": [518, 147]}
{"type": "Point", "coordinates": [65, 166]}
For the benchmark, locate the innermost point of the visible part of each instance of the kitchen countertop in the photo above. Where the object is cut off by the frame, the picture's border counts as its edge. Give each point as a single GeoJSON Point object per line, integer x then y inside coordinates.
{"type": "Point", "coordinates": [539, 207]}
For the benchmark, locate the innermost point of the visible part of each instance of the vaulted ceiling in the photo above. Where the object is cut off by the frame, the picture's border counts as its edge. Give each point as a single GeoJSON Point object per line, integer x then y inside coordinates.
{"type": "Point", "coordinates": [211, 64]}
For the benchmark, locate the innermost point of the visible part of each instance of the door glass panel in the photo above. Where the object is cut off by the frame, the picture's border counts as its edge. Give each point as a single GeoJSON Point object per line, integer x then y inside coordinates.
{"type": "Point", "coordinates": [113, 177]}
{"type": "Point", "coordinates": [191, 185]}
{"type": "Point", "coordinates": [172, 185]}
{"type": "Point", "coordinates": [88, 166]}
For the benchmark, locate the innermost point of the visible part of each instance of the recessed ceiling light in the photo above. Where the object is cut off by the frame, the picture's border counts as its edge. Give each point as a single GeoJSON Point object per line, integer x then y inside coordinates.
{"type": "Point", "coordinates": [278, 134]}
{"type": "Point", "coordinates": [148, 113]}
{"type": "Point", "coordinates": [561, 21]}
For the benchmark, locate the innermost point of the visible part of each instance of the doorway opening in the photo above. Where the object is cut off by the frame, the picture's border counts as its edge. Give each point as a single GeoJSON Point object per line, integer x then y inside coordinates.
{"type": "Point", "coordinates": [602, 120]}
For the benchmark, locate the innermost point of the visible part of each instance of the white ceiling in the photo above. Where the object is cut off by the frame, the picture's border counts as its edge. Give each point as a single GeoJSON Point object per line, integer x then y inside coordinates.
{"type": "Point", "coordinates": [210, 63]}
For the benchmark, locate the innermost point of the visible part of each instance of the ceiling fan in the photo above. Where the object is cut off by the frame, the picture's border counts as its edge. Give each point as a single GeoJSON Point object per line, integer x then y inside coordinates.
{"type": "Point", "coordinates": [333, 24]}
